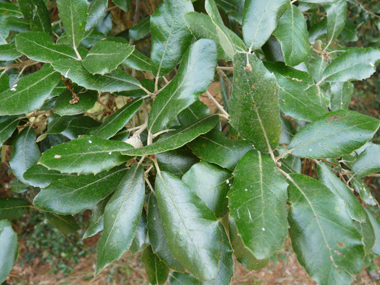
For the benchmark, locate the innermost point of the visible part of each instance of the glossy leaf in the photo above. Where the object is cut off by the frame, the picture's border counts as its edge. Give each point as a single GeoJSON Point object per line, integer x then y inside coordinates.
{"type": "Point", "coordinates": [9, 52]}
{"type": "Point", "coordinates": [56, 125]}
{"type": "Point", "coordinates": [64, 223]}
{"type": "Point", "coordinates": [364, 192]}
{"type": "Point", "coordinates": [193, 113]}
{"type": "Point", "coordinates": [340, 93]}
{"type": "Point", "coordinates": [40, 176]}
{"type": "Point", "coordinates": [88, 154]}
{"type": "Point", "coordinates": [37, 13]}
{"type": "Point", "coordinates": [9, 247]}
{"type": "Point", "coordinates": [260, 20]}
{"type": "Point", "coordinates": [138, 61]}
{"type": "Point", "coordinates": [333, 135]}
{"type": "Point", "coordinates": [254, 108]}
{"type": "Point", "coordinates": [140, 239]}
{"type": "Point", "coordinates": [121, 218]}
{"type": "Point", "coordinates": [376, 226]}
{"type": "Point", "coordinates": [123, 4]}
{"type": "Point", "coordinates": [170, 35]}
{"type": "Point", "coordinates": [349, 32]}
{"type": "Point", "coordinates": [177, 278]}
{"type": "Point", "coordinates": [156, 269]}
{"type": "Point", "coordinates": [257, 202]}
{"type": "Point", "coordinates": [7, 126]}
{"type": "Point", "coordinates": [192, 232]}
{"type": "Point", "coordinates": [177, 138]}
{"type": "Point", "coordinates": [323, 235]}
{"type": "Point", "coordinates": [96, 10]}
{"type": "Point", "coordinates": [336, 18]}
{"type": "Point", "coordinates": [79, 125]}
{"type": "Point", "coordinates": [193, 78]}
{"type": "Point", "coordinates": [12, 208]}
{"type": "Point", "coordinates": [29, 93]}
{"type": "Point", "coordinates": [318, 31]}
{"type": "Point", "coordinates": [294, 41]}
{"type": "Point", "coordinates": [233, 7]}
{"type": "Point", "coordinates": [63, 106]}
{"type": "Point", "coordinates": [368, 161]}
{"type": "Point", "coordinates": [97, 218]}
{"type": "Point", "coordinates": [140, 30]}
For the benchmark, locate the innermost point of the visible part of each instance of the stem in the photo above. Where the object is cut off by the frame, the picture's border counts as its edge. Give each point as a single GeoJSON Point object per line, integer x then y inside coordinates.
{"type": "Point", "coordinates": [141, 129]}
{"type": "Point", "coordinates": [227, 68]}
{"type": "Point", "coordinates": [226, 81]}
{"type": "Point", "coordinates": [156, 83]}
{"type": "Point", "coordinates": [367, 11]}
{"type": "Point", "coordinates": [162, 132]}
{"type": "Point", "coordinates": [294, 1]}
{"type": "Point", "coordinates": [150, 138]}
{"type": "Point", "coordinates": [285, 174]}
{"type": "Point", "coordinates": [220, 107]}
{"type": "Point", "coordinates": [284, 154]}
{"type": "Point", "coordinates": [77, 53]}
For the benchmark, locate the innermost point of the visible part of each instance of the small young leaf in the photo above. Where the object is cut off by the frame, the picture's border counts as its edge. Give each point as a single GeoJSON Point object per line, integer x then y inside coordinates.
{"type": "Point", "coordinates": [8, 245]}
{"type": "Point", "coordinates": [36, 12]}
{"type": "Point", "coordinates": [140, 30]}
{"type": "Point", "coordinates": [368, 161]}
{"type": "Point", "coordinates": [7, 126]}
{"type": "Point", "coordinates": [97, 218]}
{"type": "Point", "coordinates": [156, 269]}
{"type": "Point", "coordinates": [12, 208]}
{"type": "Point", "coordinates": [65, 224]}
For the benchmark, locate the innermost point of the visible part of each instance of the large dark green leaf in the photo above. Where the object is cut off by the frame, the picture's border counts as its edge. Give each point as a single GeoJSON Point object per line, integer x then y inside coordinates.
{"type": "Point", "coordinates": [25, 153]}
{"type": "Point", "coordinates": [65, 223]}
{"type": "Point", "coordinates": [233, 7]}
{"type": "Point", "coordinates": [79, 125]}
{"type": "Point", "coordinates": [29, 93]}
{"type": "Point", "coordinates": [12, 208]}
{"type": "Point", "coordinates": [254, 108]}
{"type": "Point", "coordinates": [192, 231]}
{"type": "Point", "coordinates": [334, 134]}
{"type": "Point", "coordinates": [193, 113]}
{"type": "Point", "coordinates": [8, 52]}
{"type": "Point", "coordinates": [96, 10]}
{"type": "Point", "coordinates": [88, 154]}
{"type": "Point", "coordinates": [121, 218]}
{"type": "Point", "coordinates": [74, 194]}
{"type": "Point", "coordinates": [177, 278]}
{"type": "Point", "coordinates": [156, 269]}
{"type": "Point", "coordinates": [63, 106]}
{"type": "Point", "coordinates": [138, 61]}
{"type": "Point", "coordinates": [177, 138]}
{"type": "Point", "coordinates": [376, 226]}
{"type": "Point", "coordinates": [36, 12]}
{"type": "Point", "coordinates": [18, 25]}
{"type": "Point", "coordinates": [323, 235]}
{"type": "Point", "coordinates": [56, 125]}
{"type": "Point", "coordinates": [40, 176]}
{"type": "Point", "coordinates": [4, 82]}
{"type": "Point", "coordinates": [8, 9]}
{"type": "Point", "coordinates": [260, 20]}
{"type": "Point", "coordinates": [368, 161]}
{"type": "Point", "coordinates": [340, 94]}
{"type": "Point", "coordinates": [292, 34]}
{"type": "Point", "coordinates": [140, 30]}
{"type": "Point", "coordinates": [211, 183]}
{"type": "Point", "coordinates": [8, 245]}
{"type": "Point", "coordinates": [193, 78]}
{"type": "Point", "coordinates": [257, 202]}
{"type": "Point", "coordinates": [336, 18]}
{"type": "Point", "coordinates": [170, 35]}
{"type": "Point", "coordinates": [97, 218]}
{"type": "Point", "coordinates": [7, 126]}
{"type": "Point", "coordinates": [141, 240]}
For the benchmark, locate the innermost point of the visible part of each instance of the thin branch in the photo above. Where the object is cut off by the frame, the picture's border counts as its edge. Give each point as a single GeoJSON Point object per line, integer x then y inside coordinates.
{"type": "Point", "coordinates": [161, 132]}
{"type": "Point", "coordinates": [227, 68]}
{"type": "Point", "coordinates": [367, 11]}
{"type": "Point", "coordinates": [284, 154]}
{"type": "Point", "coordinates": [285, 174]}
{"type": "Point", "coordinates": [220, 107]}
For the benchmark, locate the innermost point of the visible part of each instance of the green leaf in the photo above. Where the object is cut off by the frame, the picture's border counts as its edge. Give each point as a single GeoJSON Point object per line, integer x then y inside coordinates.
{"type": "Point", "coordinates": [8, 9]}
{"type": "Point", "coordinates": [18, 25]}
{"type": "Point", "coordinates": [73, 14]}
{"type": "Point", "coordinates": [233, 7]}
{"type": "Point", "coordinates": [8, 244]}
{"type": "Point", "coordinates": [121, 218]}
{"type": "Point", "coordinates": [106, 56]}
{"type": "Point", "coordinates": [56, 125]}
{"type": "Point", "coordinates": [64, 223]}
{"type": "Point", "coordinates": [88, 154]}
{"type": "Point", "coordinates": [12, 208]}
{"type": "Point", "coordinates": [192, 232]}
{"type": "Point", "coordinates": [376, 226]}
{"type": "Point", "coordinates": [79, 125]}
{"type": "Point", "coordinates": [354, 208]}
{"type": "Point", "coordinates": [177, 138]}
{"type": "Point", "coordinates": [115, 81]}
{"type": "Point", "coordinates": [138, 61]}
{"type": "Point", "coordinates": [4, 82]}
{"type": "Point", "coordinates": [87, 100]}
{"type": "Point", "coordinates": [40, 176]}
{"type": "Point", "coordinates": [215, 148]}
{"type": "Point", "coordinates": [333, 135]}
{"type": "Point", "coordinates": [74, 194]}
{"type": "Point", "coordinates": [287, 131]}
{"type": "Point", "coordinates": [194, 76]}
{"type": "Point", "coordinates": [323, 235]}
{"type": "Point", "coordinates": [317, 67]}
{"type": "Point", "coordinates": [170, 35]}
{"type": "Point", "coordinates": [157, 237]}
{"type": "Point", "coordinates": [37, 13]}
{"type": "Point", "coordinates": [340, 94]}
{"type": "Point", "coordinates": [140, 30]}
{"type": "Point", "coordinates": [242, 253]}
{"type": "Point", "coordinates": [96, 11]}
{"type": "Point", "coordinates": [140, 241]}
{"type": "Point", "coordinates": [156, 269]}
{"type": "Point", "coordinates": [292, 34]}
{"type": "Point", "coordinates": [123, 4]}
{"type": "Point", "coordinates": [193, 113]}
{"type": "Point", "coordinates": [260, 20]}
{"type": "Point", "coordinates": [211, 183]}
{"type": "Point", "coordinates": [254, 108]}
{"type": "Point", "coordinates": [257, 202]}
{"type": "Point", "coordinates": [7, 126]}
{"type": "Point", "coordinates": [349, 32]}
{"type": "Point", "coordinates": [97, 218]}
{"type": "Point", "coordinates": [363, 191]}
{"type": "Point", "coordinates": [336, 18]}
{"type": "Point", "coordinates": [318, 31]}
{"type": "Point", "coordinates": [117, 120]}
{"type": "Point", "coordinates": [367, 232]}
{"type": "Point", "coordinates": [177, 278]}
{"type": "Point", "coordinates": [368, 161]}
{"type": "Point", "coordinates": [25, 153]}
{"type": "Point", "coordinates": [9, 52]}
{"type": "Point", "coordinates": [354, 64]}
{"type": "Point", "coordinates": [29, 93]}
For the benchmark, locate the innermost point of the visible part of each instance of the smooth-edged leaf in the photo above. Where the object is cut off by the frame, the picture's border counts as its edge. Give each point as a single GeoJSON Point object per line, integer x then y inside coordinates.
{"type": "Point", "coordinates": [156, 269]}
{"type": "Point", "coordinates": [88, 154]}
{"type": "Point", "coordinates": [337, 186]}
{"type": "Point", "coordinates": [193, 113]}
{"type": "Point", "coordinates": [376, 226]}
{"type": "Point", "coordinates": [292, 34]}
{"type": "Point", "coordinates": [141, 239]}
{"type": "Point", "coordinates": [193, 78]}
{"type": "Point", "coordinates": [79, 125]}
{"type": "Point", "coordinates": [349, 32]}
{"type": "Point", "coordinates": [260, 20]}
{"type": "Point", "coordinates": [257, 203]}
{"type": "Point", "coordinates": [354, 64]}
{"type": "Point", "coordinates": [334, 134]}
{"type": "Point", "coordinates": [157, 237]}
{"type": "Point", "coordinates": [9, 9]}
{"type": "Point", "coordinates": [7, 126]}
{"type": "Point", "coordinates": [73, 14]}
{"type": "Point", "coordinates": [323, 235]}
{"type": "Point", "coordinates": [64, 223]}
{"type": "Point", "coordinates": [29, 93]}
{"type": "Point", "coordinates": [192, 231]}
{"type": "Point", "coordinates": [8, 245]}
{"type": "Point", "coordinates": [9, 52]}
{"type": "Point", "coordinates": [121, 218]}
{"type": "Point", "coordinates": [125, 5]}
{"type": "Point", "coordinates": [214, 147]}
{"type": "Point", "coordinates": [254, 108]}
{"type": "Point", "coordinates": [12, 208]}
{"type": "Point", "coordinates": [211, 183]}
{"type": "Point", "coordinates": [40, 176]}
{"type": "Point", "coordinates": [36, 12]}
{"type": "Point", "coordinates": [178, 278]}
{"type": "Point", "coordinates": [106, 56]}
{"type": "Point", "coordinates": [177, 161]}
{"type": "Point", "coordinates": [140, 30]}
{"type": "Point", "coordinates": [74, 194]}
{"type": "Point", "coordinates": [96, 10]}
{"type": "Point", "coordinates": [177, 138]}
{"type": "Point", "coordinates": [368, 161]}
{"type": "Point", "coordinates": [97, 218]}
{"type": "Point", "coordinates": [364, 192]}
{"type": "Point", "coordinates": [63, 106]}
{"type": "Point", "coordinates": [367, 232]}
{"type": "Point", "coordinates": [117, 120]}
{"type": "Point", "coordinates": [170, 35]}
{"type": "Point", "coordinates": [242, 253]}
{"type": "Point", "coordinates": [336, 18]}
{"type": "Point", "coordinates": [25, 152]}
{"type": "Point", "coordinates": [115, 81]}
{"type": "Point", "coordinates": [340, 94]}
{"type": "Point", "coordinates": [235, 8]}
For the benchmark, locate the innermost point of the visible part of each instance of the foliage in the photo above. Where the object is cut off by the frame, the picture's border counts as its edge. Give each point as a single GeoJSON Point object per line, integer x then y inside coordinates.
{"type": "Point", "coordinates": [107, 117]}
